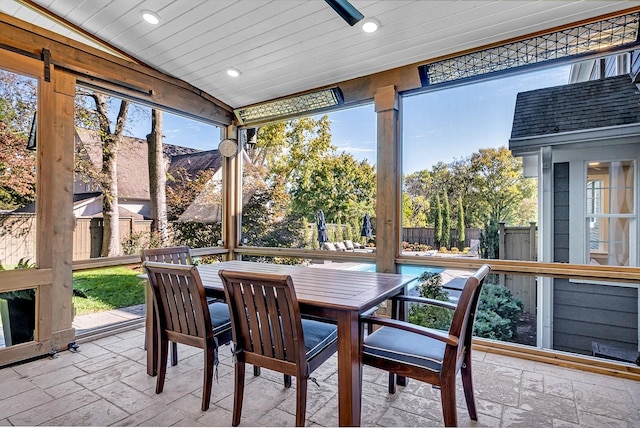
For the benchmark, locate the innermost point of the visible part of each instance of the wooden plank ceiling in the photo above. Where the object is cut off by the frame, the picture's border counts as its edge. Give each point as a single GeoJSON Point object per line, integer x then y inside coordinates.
{"type": "Point", "coordinates": [288, 46]}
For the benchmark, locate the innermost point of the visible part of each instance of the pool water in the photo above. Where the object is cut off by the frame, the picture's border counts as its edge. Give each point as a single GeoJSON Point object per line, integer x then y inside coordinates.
{"type": "Point", "coordinates": [405, 269]}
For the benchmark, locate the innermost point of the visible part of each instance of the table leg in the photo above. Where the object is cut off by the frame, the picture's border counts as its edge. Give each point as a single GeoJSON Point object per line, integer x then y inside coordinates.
{"type": "Point", "coordinates": [401, 315]}
{"type": "Point", "coordinates": [151, 336]}
{"type": "Point", "coordinates": [349, 370]}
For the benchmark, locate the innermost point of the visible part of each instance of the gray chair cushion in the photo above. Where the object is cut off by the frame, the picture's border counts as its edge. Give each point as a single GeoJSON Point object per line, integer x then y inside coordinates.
{"type": "Point", "coordinates": [220, 318]}
{"type": "Point", "coordinates": [317, 335]}
{"type": "Point", "coordinates": [405, 347]}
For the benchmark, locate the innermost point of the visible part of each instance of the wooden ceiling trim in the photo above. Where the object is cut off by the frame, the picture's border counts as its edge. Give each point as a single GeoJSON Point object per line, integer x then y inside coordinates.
{"type": "Point", "coordinates": [58, 19]}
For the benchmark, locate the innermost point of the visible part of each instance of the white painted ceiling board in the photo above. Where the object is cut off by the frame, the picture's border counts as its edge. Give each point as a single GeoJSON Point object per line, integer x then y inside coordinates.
{"type": "Point", "coordinates": [288, 46]}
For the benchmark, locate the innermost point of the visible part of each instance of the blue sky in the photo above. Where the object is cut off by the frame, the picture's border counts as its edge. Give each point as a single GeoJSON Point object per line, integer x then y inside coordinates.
{"type": "Point", "coordinates": [447, 124]}
{"type": "Point", "coordinates": [441, 125]}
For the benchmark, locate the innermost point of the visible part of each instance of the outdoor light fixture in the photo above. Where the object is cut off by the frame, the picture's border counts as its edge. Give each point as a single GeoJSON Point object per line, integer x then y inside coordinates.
{"type": "Point", "coordinates": [311, 102]}
{"type": "Point", "coordinates": [608, 35]}
{"type": "Point", "coordinates": [346, 11]}
{"type": "Point", "coordinates": [370, 25]}
{"type": "Point", "coordinates": [150, 17]}
{"type": "Point", "coordinates": [233, 72]}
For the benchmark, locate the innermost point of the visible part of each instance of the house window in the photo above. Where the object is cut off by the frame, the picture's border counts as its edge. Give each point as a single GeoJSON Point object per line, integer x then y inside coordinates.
{"type": "Point", "coordinates": [610, 212]}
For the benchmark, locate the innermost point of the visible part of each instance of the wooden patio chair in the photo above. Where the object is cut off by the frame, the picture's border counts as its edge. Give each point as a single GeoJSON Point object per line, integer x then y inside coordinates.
{"type": "Point", "coordinates": [426, 354]}
{"type": "Point", "coordinates": [184, 316]}
{"type": "Point", "coordinates": [177, 255]}
{"type": "Point", "coordinates": [269, 332]}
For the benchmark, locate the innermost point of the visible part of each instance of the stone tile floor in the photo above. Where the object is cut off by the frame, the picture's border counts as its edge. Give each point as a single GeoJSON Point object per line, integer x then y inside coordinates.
{"type": "Point", "coordinates": [105, 383]}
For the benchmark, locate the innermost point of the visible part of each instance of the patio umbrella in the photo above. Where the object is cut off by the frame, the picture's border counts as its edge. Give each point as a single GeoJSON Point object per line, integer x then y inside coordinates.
{"type": "Point", "coordinates": [366, 227]}
{"type": "Point", "coordinates": [322, 227]}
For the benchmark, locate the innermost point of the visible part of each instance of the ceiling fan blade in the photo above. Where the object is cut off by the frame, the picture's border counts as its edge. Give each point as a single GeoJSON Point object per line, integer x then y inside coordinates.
{"type": "Point", "coordinates": [346, 11]}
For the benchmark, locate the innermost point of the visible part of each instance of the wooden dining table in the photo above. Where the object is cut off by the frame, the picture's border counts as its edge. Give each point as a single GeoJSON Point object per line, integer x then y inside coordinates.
{"type": "Point", "coordinates": [339, 295]}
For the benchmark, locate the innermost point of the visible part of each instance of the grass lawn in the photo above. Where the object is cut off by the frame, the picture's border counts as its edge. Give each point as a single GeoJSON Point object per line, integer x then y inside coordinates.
{"type": "Point", "coordinates": [106, 289]}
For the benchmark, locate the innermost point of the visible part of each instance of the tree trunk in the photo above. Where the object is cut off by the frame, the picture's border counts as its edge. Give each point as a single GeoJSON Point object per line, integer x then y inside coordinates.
{"type": "Point", "coordinates": [157, 180]}
{"type": "Point", "coordinates": [110, 214]}
{"type": "Point", "coordinates": [109, 173]}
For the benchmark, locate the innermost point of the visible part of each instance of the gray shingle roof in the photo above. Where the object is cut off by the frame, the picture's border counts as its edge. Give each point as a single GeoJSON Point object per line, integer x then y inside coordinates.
{"type": "Point", "coordinates": [197, 161]}
{"type": "Point", "coordinates": [580, 106]}
{"type": "Point", "coordinates": [133, 166]}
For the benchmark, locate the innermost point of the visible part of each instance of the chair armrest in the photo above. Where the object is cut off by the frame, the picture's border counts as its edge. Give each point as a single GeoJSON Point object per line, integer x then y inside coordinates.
{"type": "Point", "coordinates": [427, 301]}
{"type": "Point", "coordinates": [442, 336]}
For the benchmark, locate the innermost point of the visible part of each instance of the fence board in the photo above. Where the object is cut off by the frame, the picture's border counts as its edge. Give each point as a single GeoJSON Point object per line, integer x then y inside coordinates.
{"type": "Point", "coordinates": [425, 236]}
{"type": "Point", "coordinates": [17, 238]}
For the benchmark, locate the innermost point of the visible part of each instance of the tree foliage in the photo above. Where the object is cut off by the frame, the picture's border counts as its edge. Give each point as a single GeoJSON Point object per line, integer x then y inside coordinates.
{"type": "Point", "coordinates": [446, 221]}
{"type": "Point", "coordinates": [489, 182]}
{"type": "Point", "coordinates": [17, 170]}
{"type": "Point", "coordinates": [301, 173]}
{"type": "Point", "coordinates": [460, 226]}
{"type": "Point", "coordinates": [437, 221]}
{"type": "Point", "coordinates": [499, 184]}
{"type": "Point", "coordinates": [17, 164]}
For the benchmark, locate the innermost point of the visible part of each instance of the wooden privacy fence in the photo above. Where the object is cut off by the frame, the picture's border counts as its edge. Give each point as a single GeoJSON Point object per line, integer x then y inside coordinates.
{"type": "Point", "coordinates": [18, 236]}
{"type": "Point", "coordinates": [520, 243]}
{"type": "Point", "coordinates": [87, 235]}
{"type": "Point", "coordinates": [425, 235]}
{"type": "Point", "coordinates": [515, 243]}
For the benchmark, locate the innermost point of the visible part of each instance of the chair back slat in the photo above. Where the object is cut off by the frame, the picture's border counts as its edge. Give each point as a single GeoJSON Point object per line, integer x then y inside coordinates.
{"type": "Point", "coordinates": [180, 299]}
{"type": "Point", "coordinates": [265, 315]}
{"type": "Point", "coordinates": [463, 318]}
{"type": "Point", "coordinates": [180, 255]}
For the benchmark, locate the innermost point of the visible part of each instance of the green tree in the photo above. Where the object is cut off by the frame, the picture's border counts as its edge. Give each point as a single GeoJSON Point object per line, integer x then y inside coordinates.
{"type": "Point", "coordinates": [415, 211]}
{"type": "Point", "coordinates": [437, 222]}
{"type": "Point", "coordinates": [415, 199]}
{"type": "Point", "coordinates": [499, 185]}
{"type": "Point", "coordinates": [446, 221]}
{"type": "Point", "coordinates": [305, 174]}
{"type": "Point", "coordinates": [461, 227]}
{"type": "Point", "coordinates": [490, 240]}
{"type": "Point", "coordinates": [339, 185]}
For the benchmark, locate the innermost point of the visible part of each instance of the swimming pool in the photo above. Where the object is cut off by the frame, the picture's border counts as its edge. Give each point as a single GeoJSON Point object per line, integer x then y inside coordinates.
{"type": "Point", "coordinates": [405, 269]}
{"type": "Point", "coordinates": [408, 270]}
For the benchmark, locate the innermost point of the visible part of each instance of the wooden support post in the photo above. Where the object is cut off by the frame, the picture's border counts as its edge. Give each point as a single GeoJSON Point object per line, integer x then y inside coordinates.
{"type": "Point", "coordinates": [388, 221]}
{"type": "Point", "coordinates": [232, 193]}
{"type": "Point", "coordinates": [57, 164]}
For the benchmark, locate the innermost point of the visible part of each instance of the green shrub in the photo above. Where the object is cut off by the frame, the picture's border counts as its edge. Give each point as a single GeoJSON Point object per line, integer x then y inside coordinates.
{"type": "Point", "coordinates": [496, 318]}
{"type": "Point", "coordinates": [428, 315]}
{"type": "Point", "coordinates": [498, 313]}
{"type": "Point", "coordinates": [139, 240]}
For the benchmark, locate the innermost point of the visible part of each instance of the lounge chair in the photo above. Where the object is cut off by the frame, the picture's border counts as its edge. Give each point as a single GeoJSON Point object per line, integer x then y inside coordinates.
{"type": "Point", "coordinates": [329, 246]}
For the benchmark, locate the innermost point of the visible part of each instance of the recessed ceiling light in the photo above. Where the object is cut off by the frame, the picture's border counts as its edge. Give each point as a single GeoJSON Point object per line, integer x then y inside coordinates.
{"type": "Point", "coordinates": [233, 72]}
{"type": "Point", "coordinates": [151, 17]}
{"type": "Point", "coordinates": [370, 25]}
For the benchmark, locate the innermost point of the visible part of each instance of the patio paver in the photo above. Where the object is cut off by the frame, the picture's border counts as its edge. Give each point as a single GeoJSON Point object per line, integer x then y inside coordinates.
{"type": "Point", "coordinates": [105, 383]}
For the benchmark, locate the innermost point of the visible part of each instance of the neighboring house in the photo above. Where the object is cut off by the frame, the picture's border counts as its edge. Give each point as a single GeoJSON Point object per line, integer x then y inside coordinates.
{"type": "Point", "coordinates": [133, 178]}
{"type": "Point", "coordinates": [133, 173]}
{"type": "Point", "coordinates": [207, 205]}
{"type": "Point", "coordinates": [582, 142]}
